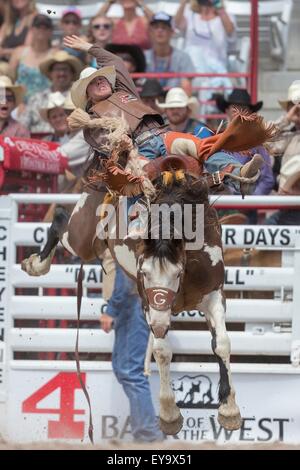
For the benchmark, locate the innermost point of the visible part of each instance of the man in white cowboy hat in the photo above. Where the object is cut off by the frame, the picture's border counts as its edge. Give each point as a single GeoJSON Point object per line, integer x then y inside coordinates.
{"type": "Point", "coordinates": [181, 111]}
{"type": "Point", "coordinates": [10, 97]}
{"type": "Point", "coordinates": [110, 91]}
{"type": "Point", "coordinates": [73, 145]}
{"type": "Point", "coordinates": [287, 142]}
{"type": "Point", "coordinates": [62, 69]}
{"type": "Point", "coordinates": [55, 113]}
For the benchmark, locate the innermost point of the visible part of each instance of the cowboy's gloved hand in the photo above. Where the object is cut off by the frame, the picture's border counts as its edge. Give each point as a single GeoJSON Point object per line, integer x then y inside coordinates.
{"type": "Point", "coordinates": [106, 322]}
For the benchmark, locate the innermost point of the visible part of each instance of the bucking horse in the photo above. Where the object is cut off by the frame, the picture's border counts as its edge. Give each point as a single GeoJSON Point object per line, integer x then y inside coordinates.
{"type": "Point", "coordinates": [172, 274]}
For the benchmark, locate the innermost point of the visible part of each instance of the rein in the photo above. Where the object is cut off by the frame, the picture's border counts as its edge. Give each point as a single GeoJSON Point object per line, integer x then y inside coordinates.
{"type": "Point", "coordinates": [77, 359]}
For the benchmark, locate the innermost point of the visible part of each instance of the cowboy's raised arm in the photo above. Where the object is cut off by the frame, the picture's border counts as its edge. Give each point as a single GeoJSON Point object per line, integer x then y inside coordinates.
{"type": "Point", "coordinates": [104, 58]}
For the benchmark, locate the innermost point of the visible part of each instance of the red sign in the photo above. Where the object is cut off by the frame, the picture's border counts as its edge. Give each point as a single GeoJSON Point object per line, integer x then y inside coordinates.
{"type": "Point", "coordinates": [65, 427]}
{"type": "Point", "coordinates": [34, 155]}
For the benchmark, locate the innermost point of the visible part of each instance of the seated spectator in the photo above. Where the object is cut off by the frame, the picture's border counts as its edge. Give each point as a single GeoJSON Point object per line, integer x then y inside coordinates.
{"type": "Point", "coordinates": [181, 111]}
{"type": "Point", "coordinates": [25, 60]}
{"type": "Point", "coordinates": [165, 58]}
{"type": "Point", "coordinates": [133, 58]}
{"type": "Point", "coordinates": [11, 96]}
{"type": "Point", "coordinates": [265, 183]}
{"type": "Point", "coordinates": [61, 69]}
{"type": "Point", "coordinates": [209, 31]}
{"type": "Point", "coordinates": [99, 31]}
{"type": "Point", "coordinates": [70, 24]}
{"type": "Point", "coordinates": [287, 142]}
{"type": "Point", "coordinates": [55, 113]}
{"type": "Point", "coordinates": [289, 186]}
{"type": "Point", "coordinates": [15, 30]}
{"type": "Point", "coordinates": [241, 99]}
{"type": "Point", "coordinates": [287, 146]}
{"type": "Point", "coordinates": [151, 93]}
{"type": "Point", "coordinates": [131, 28]}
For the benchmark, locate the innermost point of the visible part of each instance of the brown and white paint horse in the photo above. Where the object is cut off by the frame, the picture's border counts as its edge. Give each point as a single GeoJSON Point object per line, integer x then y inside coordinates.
{"type": "Point", "coordinates": [170, 279]}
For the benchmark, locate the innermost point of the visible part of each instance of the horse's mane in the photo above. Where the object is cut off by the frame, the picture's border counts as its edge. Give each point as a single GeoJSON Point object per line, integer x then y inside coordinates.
{"type": "Point", "coordinates": [187, 190]}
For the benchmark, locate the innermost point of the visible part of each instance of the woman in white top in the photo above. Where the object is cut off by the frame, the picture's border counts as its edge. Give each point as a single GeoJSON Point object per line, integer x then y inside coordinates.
{"type": "Point", "coordinates": [209, 31]}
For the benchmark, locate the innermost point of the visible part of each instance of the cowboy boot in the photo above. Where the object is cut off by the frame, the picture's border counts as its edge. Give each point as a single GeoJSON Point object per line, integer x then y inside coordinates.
{"type": "Point", "coordinates": [250, 172]}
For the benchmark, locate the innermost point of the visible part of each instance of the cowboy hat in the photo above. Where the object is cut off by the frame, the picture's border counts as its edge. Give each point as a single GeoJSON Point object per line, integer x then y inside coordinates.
{"type": "Point", "coordinates": [151, 89]}
{"type": "Point", "coordinates": [177, 98]}
{"type": "Point", "coordinates": [17, 90]}
{"type": "Point", "coordinates": [78, 90]}
{"type": "Point", "coordinates": [134, 52]}
{"type": "Point", "coordinates": [293, 95]}
{"type": "Point", "coordinates": [61, 57]}
{"type": "Point", "coordinates": [290, 175]}
{"type": "Point", "coordinates": [237, 97]}
{"type": "Point", "coordinates": [55, 100]}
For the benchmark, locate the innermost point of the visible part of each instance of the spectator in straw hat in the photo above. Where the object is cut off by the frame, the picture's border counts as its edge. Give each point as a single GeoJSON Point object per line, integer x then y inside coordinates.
{"type": "Point", "coordinates": [10, 97]}
{"type": "Point", "coordinates": [55, 113]}
{"type": "Point", "coordinates": [61, 69]}
{"type": "Point", "coordinates": [181, 111]}
{"type": "Point", "coordinates": [287, 143]}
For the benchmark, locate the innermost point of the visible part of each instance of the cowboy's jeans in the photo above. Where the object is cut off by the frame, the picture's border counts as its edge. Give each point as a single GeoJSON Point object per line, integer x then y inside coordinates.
{"type": "Point", "coordinates": [153, 147]}
{"type": "Point", "coordinates": [220, 160]}
{"type": "Point", "coordinates": [131, 339]}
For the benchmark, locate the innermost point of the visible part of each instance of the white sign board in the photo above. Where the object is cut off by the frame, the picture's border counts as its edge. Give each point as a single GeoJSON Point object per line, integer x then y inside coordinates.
{"type": "Point", "coordinates": [45, 405]}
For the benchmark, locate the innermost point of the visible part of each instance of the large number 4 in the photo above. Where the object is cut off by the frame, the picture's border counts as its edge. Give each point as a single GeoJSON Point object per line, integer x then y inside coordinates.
{"type": "Point", "coordinates": [66, 427]}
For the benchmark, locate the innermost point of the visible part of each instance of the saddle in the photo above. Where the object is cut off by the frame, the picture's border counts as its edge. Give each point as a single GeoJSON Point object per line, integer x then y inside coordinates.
{"type": "Point", "coordinates": [123, 182]}
{"type": "Point", "coordinates": [189, 165]}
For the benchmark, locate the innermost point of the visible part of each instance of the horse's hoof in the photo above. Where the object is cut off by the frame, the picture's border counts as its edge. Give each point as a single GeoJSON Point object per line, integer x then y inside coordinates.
{"type": "Point", "coordinates": [230, 422]}
{"type": "Point", "coordinates": [33, 266]}
{"type": "Point", "coordinates": [171, 428]}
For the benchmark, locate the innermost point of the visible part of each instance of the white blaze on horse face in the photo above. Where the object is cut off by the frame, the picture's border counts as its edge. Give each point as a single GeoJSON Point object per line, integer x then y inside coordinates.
{"type": "Point", "coordinates": [215, 254]}
{"type": "Point", "coordinates": [160, 278]}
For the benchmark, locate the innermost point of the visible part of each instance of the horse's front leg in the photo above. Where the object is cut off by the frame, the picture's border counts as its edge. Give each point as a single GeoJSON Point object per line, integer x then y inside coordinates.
{"type": "Point", "coordinates": [213, 306]}
{"type": "Point", "coordinates": [171, 419]}
{"type": "Point", "coordinates": [39, 264]}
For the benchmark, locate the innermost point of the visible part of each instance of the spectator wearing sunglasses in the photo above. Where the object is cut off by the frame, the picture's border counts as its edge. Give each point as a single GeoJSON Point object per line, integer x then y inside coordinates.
{"type": "Point", "coordinates": [100, 31]}
{"type": "Point", "coordinates": [71, 23]}
{"type": "Point", "coordinates": [10, 97]}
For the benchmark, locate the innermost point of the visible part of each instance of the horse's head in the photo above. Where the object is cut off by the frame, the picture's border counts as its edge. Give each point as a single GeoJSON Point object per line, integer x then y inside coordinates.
{"type": "Point", "coordinates": [160, 274]}
{"type": "Point", "coordinates": [162, 258]}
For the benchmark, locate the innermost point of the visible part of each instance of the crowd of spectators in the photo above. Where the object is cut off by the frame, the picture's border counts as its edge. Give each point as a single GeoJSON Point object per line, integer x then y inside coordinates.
{"type": "Point", "coordinates": [37, 71]}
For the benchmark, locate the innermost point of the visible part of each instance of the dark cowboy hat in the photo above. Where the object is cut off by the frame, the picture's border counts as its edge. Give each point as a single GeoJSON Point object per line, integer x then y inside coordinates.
{"type": "Point", "coordinates": [238, 97]}
{"type": "Point", "coordinates": [151, 89]}
{"type": "Point", "coordinates": [133, 51]}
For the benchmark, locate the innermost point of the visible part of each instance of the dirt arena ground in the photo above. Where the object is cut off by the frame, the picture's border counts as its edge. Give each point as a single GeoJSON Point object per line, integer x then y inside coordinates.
{"type": "Point", "coordinates": [117, 445]}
